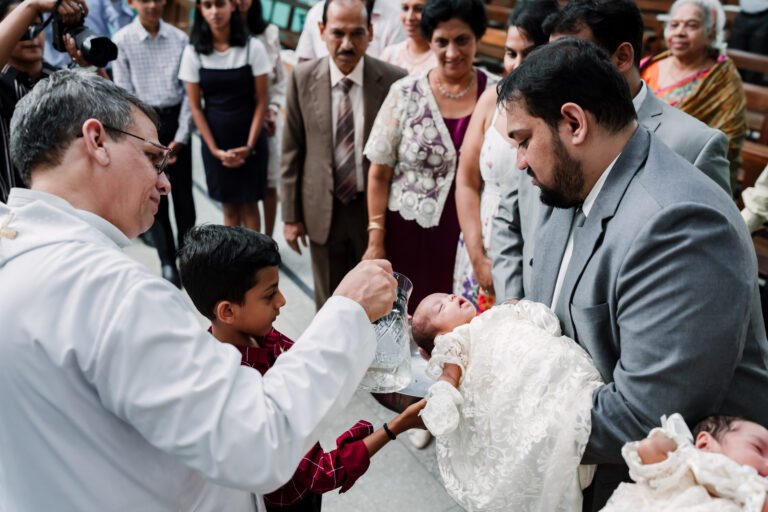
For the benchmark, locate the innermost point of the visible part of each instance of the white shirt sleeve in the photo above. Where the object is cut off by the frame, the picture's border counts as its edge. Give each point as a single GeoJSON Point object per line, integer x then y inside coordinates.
{"type": "Point", "coordinates": [259, 59]}
{"type": "Point", "coordinates": [188, 395]}
{"type": "Point", "coordinates": [310, 40]}
{"type": "Point", "coordinates": [189, 70]}
{"type": "Point", "coordinates": [755, 199]}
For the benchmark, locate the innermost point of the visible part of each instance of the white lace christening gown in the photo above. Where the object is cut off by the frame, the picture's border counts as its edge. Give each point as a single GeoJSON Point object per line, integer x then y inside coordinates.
{"type": "Point", "coordinates": [513, 434]}
{"type": "Point", "coordinates": [689, 480]}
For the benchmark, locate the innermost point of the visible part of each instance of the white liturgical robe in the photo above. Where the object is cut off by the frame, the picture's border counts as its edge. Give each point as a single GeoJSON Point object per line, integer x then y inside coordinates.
{"type": "Point", "coordinates": [114, 398]}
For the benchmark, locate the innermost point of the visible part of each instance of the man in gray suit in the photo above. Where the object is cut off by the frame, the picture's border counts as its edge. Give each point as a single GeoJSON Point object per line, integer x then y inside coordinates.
{"type": "Point", "coordinates": [331, 105]}
{"type": "Point", "coordinates": [646, 262]}
{"type": "Point", "coordinates": [616, 26]}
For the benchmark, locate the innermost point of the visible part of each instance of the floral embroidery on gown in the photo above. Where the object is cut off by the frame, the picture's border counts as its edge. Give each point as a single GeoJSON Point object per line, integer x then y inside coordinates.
{"type": "Point", "coordinates": [512, 436]}
{"type": "Point", "coordinates": [689, 480]}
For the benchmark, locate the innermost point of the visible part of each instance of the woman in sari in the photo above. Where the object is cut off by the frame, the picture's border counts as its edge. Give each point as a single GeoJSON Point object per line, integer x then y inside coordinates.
{"type": "Point", "coordinates": [696, 76]}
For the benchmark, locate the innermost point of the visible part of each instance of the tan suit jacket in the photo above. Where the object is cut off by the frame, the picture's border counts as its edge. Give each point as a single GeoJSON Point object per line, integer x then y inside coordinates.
{"type": "Point", "coordinates": [306, 172]}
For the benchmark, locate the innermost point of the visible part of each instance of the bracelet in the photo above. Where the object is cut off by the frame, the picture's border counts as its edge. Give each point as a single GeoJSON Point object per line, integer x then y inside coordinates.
{"type": "Point", "coordinates": [379, 216]}
{"type": "Point", "coordinates": [389, 432]}
{"type": "Point", "coordinates": [375, 225]}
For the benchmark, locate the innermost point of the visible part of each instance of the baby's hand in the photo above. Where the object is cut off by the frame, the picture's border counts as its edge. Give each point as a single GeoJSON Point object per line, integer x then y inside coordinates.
{"type": "Point", "coordinates": [655, 449]}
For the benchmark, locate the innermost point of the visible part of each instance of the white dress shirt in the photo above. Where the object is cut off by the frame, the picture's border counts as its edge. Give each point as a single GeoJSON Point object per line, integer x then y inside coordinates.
{"type": "Point", "coordinates": [356, 98]}
{"type": "Point", "coordinates": [586, 207]}
{"type": "Point", "coordinates": [114, 398]}
{"type": "Point", "coordinates": [385, 20]}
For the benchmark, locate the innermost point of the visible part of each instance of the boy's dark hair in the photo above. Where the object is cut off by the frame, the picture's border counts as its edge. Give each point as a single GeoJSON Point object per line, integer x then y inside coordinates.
{"type": "Point", "coordinates": [612, 22]}
{"type": "Point", "coordinates": [529, 18]}
{"type": "Point", "coordinates": [222, 262]}
{"type": "Point", "coordinates": [254, 19]}
{"type": "Point", "coordinates": [368, 10]}
{"type": "Point", "coordinates": [570, 70]}
{"type": "Point", "coordinates": [471, 12]}
{"type": "Point", "coordinates": [201, 37]}
{"type": "Point", "coordinates": [717, 426]}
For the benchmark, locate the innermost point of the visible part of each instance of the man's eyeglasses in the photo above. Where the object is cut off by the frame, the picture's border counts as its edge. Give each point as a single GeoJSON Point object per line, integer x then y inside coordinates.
{"type": "Point", "coordinates": [160, 166]}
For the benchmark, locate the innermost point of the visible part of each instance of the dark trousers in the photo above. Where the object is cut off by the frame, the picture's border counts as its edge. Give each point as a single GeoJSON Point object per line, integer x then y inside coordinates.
{"type": "Point", "coordinates": [750, 33]}
{"type": "Point", "coordinates": [347, 241]}
{"type": "Point", "coordinates": [180, 176]}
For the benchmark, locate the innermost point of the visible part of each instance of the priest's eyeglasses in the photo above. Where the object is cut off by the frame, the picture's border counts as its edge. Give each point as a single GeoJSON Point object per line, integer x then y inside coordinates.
{"type": "Point", "coordinates": [160, 166]}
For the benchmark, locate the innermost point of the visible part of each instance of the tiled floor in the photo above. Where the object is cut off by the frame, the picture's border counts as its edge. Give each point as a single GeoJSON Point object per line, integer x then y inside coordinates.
{"type": "Point", "coordinates": [401, 478]}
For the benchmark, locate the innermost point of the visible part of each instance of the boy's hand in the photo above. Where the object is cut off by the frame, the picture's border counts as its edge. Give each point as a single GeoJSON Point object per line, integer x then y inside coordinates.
{"type": "Point", "coordinates": [371, 285]}
{"type": "Point", "coordinates": [408, 419]}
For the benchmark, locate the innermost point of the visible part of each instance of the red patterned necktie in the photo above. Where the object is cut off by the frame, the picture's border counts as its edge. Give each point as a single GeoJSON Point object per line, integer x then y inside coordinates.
{"type": "Point", "coordinates": [344, 174]}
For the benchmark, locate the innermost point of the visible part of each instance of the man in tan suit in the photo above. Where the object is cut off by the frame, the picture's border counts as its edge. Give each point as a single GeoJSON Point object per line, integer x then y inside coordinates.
{"type": "Point", "coordinates": [332, 103]}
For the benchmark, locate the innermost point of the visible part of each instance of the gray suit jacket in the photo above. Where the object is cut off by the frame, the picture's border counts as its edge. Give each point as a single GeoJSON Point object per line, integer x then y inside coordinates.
{"type": "Point", "coordinates": [306, 170]}
{"type": "Point", "coordinates": [662, 292]}
{"type": "Point", "coordinates": [518, 214]}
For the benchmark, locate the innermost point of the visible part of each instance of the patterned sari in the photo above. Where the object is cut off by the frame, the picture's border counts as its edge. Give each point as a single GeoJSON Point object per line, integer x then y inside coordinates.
{"type": "Point", "coordinates": [714, 96]}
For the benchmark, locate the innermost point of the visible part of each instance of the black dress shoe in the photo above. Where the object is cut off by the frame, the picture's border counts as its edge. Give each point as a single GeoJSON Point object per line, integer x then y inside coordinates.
{"type": "Point", "coordinates": [170, 273]}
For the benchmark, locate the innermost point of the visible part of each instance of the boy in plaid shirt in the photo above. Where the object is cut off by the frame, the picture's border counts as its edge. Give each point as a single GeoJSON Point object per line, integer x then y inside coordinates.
{"type": "Point", "coordinates": [231, 275]}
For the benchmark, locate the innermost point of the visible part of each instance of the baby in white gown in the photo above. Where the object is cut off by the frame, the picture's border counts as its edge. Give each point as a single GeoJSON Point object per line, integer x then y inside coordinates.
{"type": "Point", "coordinates": [722, 470]}
{"type": "Point", "coordinates": [512, 435]}
{"type": "Point", "coordinates": [511, 415]}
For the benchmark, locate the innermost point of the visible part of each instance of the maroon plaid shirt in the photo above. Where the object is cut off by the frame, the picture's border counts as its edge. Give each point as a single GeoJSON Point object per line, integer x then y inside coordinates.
{"type": "Point", "coordinates": [318, 471]}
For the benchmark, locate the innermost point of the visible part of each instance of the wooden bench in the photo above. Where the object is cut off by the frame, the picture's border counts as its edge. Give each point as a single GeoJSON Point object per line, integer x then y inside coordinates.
{"type": "Point", "coordinates": [490, 49]}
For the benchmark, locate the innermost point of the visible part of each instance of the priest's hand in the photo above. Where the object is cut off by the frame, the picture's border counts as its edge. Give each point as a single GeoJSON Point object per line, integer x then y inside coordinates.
{"type": "Point", "coordinates": [371, 285]}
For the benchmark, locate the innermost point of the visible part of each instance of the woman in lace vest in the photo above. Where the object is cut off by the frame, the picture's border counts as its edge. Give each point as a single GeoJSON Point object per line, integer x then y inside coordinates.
{"type": "Point", "coordinates": [413, 150]}
{"type": "Point", "coordinates": [486, 154]}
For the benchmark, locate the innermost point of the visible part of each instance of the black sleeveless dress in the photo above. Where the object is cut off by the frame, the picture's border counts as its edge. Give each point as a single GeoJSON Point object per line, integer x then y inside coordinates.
{"type": "Point", "coordinates": [229, 99]}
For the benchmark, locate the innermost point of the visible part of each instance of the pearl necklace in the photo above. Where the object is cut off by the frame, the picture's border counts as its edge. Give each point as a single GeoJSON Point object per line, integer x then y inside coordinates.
{"type": "Point", "coordinates": [458, 95]}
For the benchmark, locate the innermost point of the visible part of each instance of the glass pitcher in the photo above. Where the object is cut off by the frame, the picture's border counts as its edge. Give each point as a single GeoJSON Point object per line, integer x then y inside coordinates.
{"type": "Point", "coordinates": [391, 367]}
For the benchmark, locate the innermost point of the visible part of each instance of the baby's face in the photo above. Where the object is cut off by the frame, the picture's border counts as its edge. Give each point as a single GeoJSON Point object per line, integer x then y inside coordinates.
{"type": "Point", "coordinates": [446, 312]}
{"type": "Point", "coordinates": [746, 443]}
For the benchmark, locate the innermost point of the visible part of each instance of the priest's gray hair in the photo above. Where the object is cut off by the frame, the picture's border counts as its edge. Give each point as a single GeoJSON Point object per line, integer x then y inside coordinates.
{"type": "Point", "coordinates": [51, 116]}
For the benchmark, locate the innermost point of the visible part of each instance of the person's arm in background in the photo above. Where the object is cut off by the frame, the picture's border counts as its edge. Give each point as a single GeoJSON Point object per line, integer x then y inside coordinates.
{"type": "Point", "coordinates": [292, 159]}
{"type": "Point", "coordinates": [14, 25]}
{"type": "Point", "coordinates": [469, 186]}
{"type": "Point", "coordinates": [755, 198]}
{"type": "Point", "coordinates": [305, 47]}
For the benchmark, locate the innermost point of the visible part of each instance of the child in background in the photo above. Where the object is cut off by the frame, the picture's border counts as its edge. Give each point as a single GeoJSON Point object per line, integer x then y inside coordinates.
{"type": "Point", "coordinates": [226, 72]}
{"type": "Point", "coordinates": [232, 277]}
{"type": "Point", "coordinates": [147, 65]}
{"type": "Point", "coordinates": [269, 35]}
{"type": "Point", "coordinates": [722, 468]}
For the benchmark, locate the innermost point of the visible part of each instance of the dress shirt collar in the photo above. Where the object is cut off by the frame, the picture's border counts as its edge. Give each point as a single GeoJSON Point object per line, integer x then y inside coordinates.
{"type": "Point", "coordinates": [23, 196]}
{"type": "Point", "coordinates": [144, 33]}
{"type": "Point", "coordinates": [356, 75]}
{"type": "Point", "coordinates": [639, 98]}
{"type": "Point", "coordinates": [598, 186]}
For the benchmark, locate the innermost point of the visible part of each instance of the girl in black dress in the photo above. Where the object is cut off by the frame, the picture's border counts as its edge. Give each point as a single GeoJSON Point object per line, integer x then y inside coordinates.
{"type": "Point", "coordinates": [226, 74]}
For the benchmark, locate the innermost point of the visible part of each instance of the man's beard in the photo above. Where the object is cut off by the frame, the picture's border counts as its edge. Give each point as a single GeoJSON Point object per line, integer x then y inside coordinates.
{"type": "Point", "coordinates": [568, 176]}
